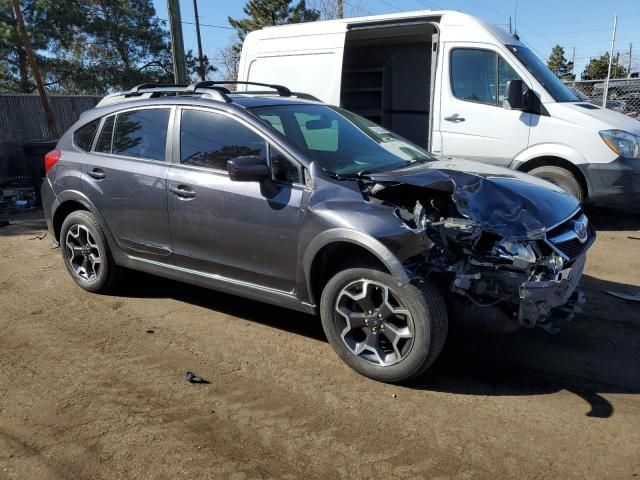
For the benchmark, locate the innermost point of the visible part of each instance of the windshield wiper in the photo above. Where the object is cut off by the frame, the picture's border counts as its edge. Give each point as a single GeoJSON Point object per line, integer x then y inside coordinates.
{"type": "Point", "coordinates": [407, 163]}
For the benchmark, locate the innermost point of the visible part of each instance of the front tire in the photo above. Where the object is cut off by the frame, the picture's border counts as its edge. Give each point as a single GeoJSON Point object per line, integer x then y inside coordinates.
{"type": "Point", "coordinates": [86, 253]}
{"type": "Point", "coordinates": [386, 332]}
{"type": "Point", "coordinates": [560, 177]}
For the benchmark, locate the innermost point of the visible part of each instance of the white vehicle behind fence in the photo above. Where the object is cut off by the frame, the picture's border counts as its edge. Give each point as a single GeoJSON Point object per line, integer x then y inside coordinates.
{"type": "Point", "coordinates": [460, 87]}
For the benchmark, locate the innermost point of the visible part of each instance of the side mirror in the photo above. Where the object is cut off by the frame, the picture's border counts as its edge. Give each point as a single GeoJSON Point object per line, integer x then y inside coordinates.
{"type": "Point", "coordinates": [514, 96]}
{"type": "Point", "coordinates": [248, 169]}
{"type": "Point", "coordinates": [253, 169]}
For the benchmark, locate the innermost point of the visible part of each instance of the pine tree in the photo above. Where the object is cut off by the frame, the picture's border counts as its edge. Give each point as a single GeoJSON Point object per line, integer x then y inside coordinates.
{"type": "Point", "coordinates": [598, 67]}
{"type": "Point", "coordinates": [264, 13]}
{"type": "Point", "coordinates": [559, 65]}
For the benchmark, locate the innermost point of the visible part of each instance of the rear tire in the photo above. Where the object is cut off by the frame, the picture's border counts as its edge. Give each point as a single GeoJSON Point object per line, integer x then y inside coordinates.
{"type": "Point", "coordinates": [390, 341]}
{"type": "Point", "coordinates": [560, 177]}
{"type": "Point", "coordinates": [86, 253]}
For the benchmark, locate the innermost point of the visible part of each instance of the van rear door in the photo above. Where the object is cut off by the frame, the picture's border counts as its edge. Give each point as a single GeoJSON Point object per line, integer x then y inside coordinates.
{"type": "Point", "coordinates": [308, 61]}
{"type": "Point", "coordinates": [474, 124]}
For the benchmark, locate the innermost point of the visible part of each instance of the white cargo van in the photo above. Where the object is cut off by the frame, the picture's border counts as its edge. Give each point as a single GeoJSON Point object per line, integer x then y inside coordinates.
{"type": "Point", "coordinates": [440, 79]}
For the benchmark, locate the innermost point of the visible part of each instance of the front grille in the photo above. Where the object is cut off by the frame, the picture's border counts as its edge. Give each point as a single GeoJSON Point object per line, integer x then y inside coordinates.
{"type": "Point", "coordinates": [564, 239]}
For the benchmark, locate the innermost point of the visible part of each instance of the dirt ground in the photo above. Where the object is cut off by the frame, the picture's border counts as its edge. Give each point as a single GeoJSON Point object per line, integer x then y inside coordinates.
{"type": "Point", "coordinates": [93, 386]}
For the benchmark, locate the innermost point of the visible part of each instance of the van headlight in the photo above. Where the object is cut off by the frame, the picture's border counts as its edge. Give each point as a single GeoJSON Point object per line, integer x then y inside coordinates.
{"type": "Point", "coordinates": [622, 143]}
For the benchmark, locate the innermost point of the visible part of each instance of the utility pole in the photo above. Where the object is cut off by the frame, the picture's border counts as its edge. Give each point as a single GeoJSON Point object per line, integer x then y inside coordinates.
{"type": "Point", "coordinates": [613, 44]}
{"type": "Point", "coordinates": [573, 60]}
{"type": "Point", "coordinates": [510, 29]}
{"type": "Point", "coordinates": [630, 47]}
{"type": "Point", "coordinates": [200, 57]}
{"type": "Point", "coordinates": [340, 9]}
{"type": "Point", "coordinates": [177, 43]}
{"type": "Point", "coordinates": [51, 121]}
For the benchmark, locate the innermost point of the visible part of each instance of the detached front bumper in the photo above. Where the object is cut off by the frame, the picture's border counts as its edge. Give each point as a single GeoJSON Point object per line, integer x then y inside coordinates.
{"type": "Point", "coordinates": [546, 303]}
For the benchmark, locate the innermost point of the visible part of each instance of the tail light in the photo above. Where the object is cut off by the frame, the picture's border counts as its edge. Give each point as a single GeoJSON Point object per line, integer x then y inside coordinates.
{"type": "Point", "coordinates": [50, 159]}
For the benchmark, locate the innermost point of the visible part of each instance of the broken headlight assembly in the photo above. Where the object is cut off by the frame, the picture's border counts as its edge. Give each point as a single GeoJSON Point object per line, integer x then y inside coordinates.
{"type": "Point", "coordinates": [521, 254]}
{"type": "Point", "coordinates": [554, 263]}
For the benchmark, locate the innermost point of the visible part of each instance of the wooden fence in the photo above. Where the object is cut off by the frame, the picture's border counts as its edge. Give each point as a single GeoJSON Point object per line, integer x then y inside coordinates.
{"type": "Point", "coordinates": [22, 120]}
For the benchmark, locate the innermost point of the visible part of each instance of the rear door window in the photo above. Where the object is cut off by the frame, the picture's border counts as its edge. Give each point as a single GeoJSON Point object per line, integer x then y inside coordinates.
{"type": "Point", "coordinates": [141, 133]}
{"type": "Point", "coordinates": [103, 145]}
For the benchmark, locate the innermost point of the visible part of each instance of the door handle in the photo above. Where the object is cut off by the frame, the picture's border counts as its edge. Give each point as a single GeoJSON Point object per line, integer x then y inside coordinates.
{"type": "Point", "coordinates": [97, 173]}
{"type": "Point", "coordinates": [455, 118]}
{"type": "Point", "coordinates": [182, 191]}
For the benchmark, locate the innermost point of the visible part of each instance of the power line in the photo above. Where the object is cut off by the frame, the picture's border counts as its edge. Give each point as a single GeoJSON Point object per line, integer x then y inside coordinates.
{"type": "Point", "coordinates": [363, 10]}
{"type": "Point", "coordinates": [388, 4]}
{"type": "Point", "coordinates": [201, 24]}
{"type": "Point", "coordinates": [429, 4]}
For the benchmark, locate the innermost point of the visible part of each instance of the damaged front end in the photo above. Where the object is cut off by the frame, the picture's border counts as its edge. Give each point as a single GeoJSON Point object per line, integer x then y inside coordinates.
{"type": "Point", "coordinates": [505, 244]}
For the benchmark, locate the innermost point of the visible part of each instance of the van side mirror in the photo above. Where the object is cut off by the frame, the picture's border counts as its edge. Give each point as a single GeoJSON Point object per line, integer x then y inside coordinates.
{"type": "Point", "coordinates": [514, 96]}
{"type": "Point", "coordinates": [253, 168]}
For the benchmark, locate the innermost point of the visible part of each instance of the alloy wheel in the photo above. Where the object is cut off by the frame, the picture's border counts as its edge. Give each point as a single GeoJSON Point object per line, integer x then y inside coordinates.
{"type": "Point", "coordinates": [374, 323]}
{"type": "Point", "coordinates": [82, 252]}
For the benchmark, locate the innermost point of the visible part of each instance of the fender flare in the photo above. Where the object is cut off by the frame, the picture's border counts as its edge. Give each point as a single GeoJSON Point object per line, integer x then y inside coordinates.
{"type": "Point", "coordinates": [374, 246]}
{"type": "Point", "coordinates": [82, 199]}
{"type": "Point", "coordinates": [75, 196]}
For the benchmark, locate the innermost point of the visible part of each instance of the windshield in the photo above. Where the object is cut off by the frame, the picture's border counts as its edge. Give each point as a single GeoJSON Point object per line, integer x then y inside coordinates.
{"type": "Point", "coordinates": [343, 143]}
{"type": "Point", "coordinates": [542, 74]}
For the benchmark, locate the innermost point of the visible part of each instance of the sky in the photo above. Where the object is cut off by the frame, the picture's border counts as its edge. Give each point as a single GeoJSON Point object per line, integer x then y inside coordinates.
{"type": "Point", "coordinates": [586, 25]}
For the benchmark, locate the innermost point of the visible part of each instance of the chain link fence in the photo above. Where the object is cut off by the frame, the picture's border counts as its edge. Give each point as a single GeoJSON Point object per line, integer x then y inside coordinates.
{"type": "Point", "coordinates": [623, 95]}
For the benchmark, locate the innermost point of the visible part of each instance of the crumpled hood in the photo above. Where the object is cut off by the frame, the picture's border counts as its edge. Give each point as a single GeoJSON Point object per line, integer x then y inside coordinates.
{"type": "Point", "coordinates": [512, 204]}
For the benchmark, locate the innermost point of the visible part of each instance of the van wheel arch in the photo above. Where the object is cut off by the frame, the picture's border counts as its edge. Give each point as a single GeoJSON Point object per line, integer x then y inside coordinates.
{"type": "Point", "coordinates": [534, 163]}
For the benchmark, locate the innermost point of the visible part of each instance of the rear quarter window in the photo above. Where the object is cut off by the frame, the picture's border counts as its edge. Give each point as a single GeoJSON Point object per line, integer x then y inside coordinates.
{"type": "Point", "coordinates": [83, 137]}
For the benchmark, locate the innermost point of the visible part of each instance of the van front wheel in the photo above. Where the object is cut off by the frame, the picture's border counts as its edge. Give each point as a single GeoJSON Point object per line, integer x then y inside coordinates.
{"type": "Point", "coordinates": [560, 177]}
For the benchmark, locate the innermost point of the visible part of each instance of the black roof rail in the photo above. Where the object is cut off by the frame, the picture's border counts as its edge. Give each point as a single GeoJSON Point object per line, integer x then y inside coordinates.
{"type": "Point", "coordinates": [282, 90]}
{"type": "Point", "coordinates": [148, 86]}
{"type": "Point", "coordinates": [154, 90]}
{"type": "Point", "coordinates": [306, 96]}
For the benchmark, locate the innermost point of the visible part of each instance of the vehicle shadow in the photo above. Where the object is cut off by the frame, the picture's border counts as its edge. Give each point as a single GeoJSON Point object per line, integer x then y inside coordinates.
{"type": "Point", "coordinates": [596, 354]}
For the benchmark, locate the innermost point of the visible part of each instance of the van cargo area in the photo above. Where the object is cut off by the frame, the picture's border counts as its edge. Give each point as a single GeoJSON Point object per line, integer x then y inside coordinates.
{"type": "Point", "coordinates": [386, 77]}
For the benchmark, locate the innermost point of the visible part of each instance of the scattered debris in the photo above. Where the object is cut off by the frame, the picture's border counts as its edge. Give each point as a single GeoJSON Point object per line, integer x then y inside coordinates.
{"type": "Point", "coordinates": [633, 238]}
{"type": "Point", "coordinates": [631, 297]}
{"type": "Point", "coordinates": [194, 378]}
{"type": "Point", "coordinates": [394, 395]}
{"type": "Point", "coordinates": [39, 237]}
{"type": "Point", "coordinates": [153, 331]}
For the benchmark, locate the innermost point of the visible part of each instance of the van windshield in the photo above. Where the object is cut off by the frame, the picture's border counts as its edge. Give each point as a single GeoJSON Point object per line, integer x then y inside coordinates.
{"type": "Point", "coordinates": [542, 74]}
{"type": "Point", "coordinates": [343, 143]}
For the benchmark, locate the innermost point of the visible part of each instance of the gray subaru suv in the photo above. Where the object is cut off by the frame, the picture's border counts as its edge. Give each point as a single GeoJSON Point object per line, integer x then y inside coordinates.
{"type": "Point", "coordinates": [274, 196]}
